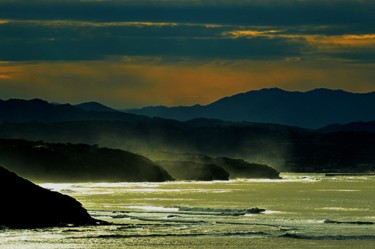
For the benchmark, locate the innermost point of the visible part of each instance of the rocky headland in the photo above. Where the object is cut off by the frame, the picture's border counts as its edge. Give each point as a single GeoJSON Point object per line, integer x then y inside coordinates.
{"type": "Point", "coordinates": [26, 205]}
{"type": "Point", "coordinates": [190, 166]}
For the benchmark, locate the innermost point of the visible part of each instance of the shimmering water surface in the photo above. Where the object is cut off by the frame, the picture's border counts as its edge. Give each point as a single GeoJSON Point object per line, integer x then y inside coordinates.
{"type": "Point", "coordinates": [214, 215]}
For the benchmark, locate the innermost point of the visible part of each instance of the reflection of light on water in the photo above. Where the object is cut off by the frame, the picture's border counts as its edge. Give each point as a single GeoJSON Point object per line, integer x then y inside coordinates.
{"type": "Point", "coordinates": [151, 190]}
{"type": "Point", "coordinates": [56, 186]}
{"type": "Point", "coordinates": [141, 210]}
{"type": "Point", "coordinates": [342, 209]}
{"type": "Point", "coordinates": [338, 190]}
{"type": "Point", "coordinates": [152, 208]}
{"type": "Point", "coordinates": [152, 187]}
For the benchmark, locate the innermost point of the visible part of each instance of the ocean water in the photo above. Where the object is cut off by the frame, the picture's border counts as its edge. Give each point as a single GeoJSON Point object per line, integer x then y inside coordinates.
{"type": "Point", "coordinates": [216, 215]}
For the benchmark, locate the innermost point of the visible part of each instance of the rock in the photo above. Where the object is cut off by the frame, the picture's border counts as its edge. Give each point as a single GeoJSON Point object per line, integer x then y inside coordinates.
{"type": "Point", "coordinates": [222, 211]}
{"type": "Point", "coordinates": [255, 210]}
{"type": "Point", "coordinates": [190, 170]}
{"type": "Point", "coordinates": [172, 216]}
{"type": "Point", "coordinates": [26, 205]}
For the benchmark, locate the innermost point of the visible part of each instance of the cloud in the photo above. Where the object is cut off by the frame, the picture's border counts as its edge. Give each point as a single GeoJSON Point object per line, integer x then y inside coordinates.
{"type": "Point", "coordinates": [77, 40]}
{"type": "Point", "coordinates": [238, 12]}
{"type": "Point", "coordinates": [318, 45]}
{"type": "Point", "coordinates": [348, 40]}
{"type": "Point", "coordinates": [92, 30]}
{"type": "Point", "coordinates": [316, 39]}
{"type": "Point", "coordinates": [133, 53]}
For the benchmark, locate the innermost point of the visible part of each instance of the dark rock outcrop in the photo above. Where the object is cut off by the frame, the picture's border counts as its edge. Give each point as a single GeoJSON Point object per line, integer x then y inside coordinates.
{"type": "Point", "coordinates": [26, 205]}
{"type": "Point", "coordinates": [223, 211]}
{"type": "Point", "coordinates": [190, 170]}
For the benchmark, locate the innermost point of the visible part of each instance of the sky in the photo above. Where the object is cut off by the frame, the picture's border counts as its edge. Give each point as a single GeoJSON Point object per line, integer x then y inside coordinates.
{"type": "Point", "coordinates": [133, 53]}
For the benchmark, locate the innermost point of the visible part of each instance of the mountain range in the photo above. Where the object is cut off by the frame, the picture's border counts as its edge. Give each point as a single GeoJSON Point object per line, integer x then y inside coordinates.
{"type": "Point", "coordinates": [335, 147]}
{"type": "Point", "coordinates": [311, 109]}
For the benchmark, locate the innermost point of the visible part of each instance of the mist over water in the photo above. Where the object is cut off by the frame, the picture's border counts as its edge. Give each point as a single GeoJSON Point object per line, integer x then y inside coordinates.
{"type": "Point", "coordinates": [301, 212]}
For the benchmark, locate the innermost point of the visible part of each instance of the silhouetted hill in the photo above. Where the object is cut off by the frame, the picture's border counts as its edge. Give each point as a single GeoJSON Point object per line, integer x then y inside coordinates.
{"type": "Point", "coordinates": [95, 106]}
{"type": "Point", "coordinates": [260, 143]}
{"type": "Point", "coordinates": [356, 126]}
{"type": "Point", "coordinates": [280, 146]}
{"type": "Point", "coordinates": [284, 148]}
{"type": "Point", "coordinates": [312, 109]}
{"type": "Point", "coordinates": [36, 110]}
{"type": "Point", "coordinates": [26, 205]}
{"type": "Point", "coordinates": [350, 151]}
{"type": "Point", "coordinates": [49, 162]}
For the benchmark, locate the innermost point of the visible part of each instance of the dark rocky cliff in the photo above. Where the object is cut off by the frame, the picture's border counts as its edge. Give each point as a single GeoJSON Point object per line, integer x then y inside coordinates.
{"type": "Point", "coordinates": [26, 205]}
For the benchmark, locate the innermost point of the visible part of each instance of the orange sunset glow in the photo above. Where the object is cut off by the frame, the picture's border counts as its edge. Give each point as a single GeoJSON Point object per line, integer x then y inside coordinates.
{"type": "Point", "coordinates": [133, 58]}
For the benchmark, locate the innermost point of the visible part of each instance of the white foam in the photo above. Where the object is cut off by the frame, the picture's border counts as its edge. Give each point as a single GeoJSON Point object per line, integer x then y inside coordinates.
{"type": "Point", "coordinates": [266, 212]}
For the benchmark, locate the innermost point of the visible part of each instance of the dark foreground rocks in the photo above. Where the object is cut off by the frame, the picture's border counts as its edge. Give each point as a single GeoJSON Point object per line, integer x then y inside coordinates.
{"type": "Point", "coordinates": [26, 205]}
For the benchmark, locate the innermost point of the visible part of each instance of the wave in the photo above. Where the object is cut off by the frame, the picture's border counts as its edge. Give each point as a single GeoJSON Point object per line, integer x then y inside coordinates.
{"type": "Point", "coordinates": [328, 237]}
{"type": "Point", "coordinates": [233, 234]}
{"type": "Point", "coordinates": [349, 222]}
{"type": "Point", "coordinates": [222, 211]}
{"type": "Point", "coordinates": [179, 210]}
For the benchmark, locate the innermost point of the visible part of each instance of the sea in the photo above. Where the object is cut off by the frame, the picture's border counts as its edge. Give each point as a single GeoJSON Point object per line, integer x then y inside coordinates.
{"type": "Point", "coordinates": [300, 211]}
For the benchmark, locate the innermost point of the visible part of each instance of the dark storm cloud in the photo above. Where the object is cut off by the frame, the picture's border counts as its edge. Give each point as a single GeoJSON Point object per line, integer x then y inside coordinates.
{"type": "Point", "coordinates": [46, 40]}
{"type": "Point", "coordinates": [88, 30]}
{"type": "Point", "coordinates": [229, 12]}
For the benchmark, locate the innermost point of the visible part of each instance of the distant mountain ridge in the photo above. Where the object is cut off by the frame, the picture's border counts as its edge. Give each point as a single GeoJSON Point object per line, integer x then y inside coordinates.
{"type": "Point", "coordinates": [311, 109]}
{"type": "Point", "coordinates": [37, 110]}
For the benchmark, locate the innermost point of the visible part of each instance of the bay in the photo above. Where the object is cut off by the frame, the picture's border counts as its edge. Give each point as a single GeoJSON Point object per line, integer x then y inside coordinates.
{"type": "Point", "coordinates": [301, 210]}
